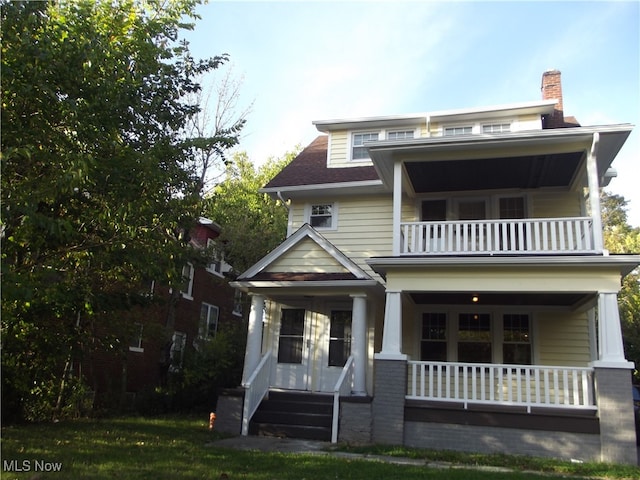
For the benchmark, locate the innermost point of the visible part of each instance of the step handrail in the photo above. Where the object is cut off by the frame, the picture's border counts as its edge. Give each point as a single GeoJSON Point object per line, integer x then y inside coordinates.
{"type": "Point", "coordinates": [255, 389]}
{"type": "Point", "coordinates": [338, 390]}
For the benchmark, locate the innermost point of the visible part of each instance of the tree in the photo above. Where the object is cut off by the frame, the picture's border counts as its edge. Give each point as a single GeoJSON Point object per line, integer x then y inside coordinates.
{"type": "Point", "coordinates": [252, 222]}
{"type": "Point", "coordinates": [620, 237]}
{"type": "Point", "coordinates": [216, 127]}
{"type": "Point", "coordinates": [97, 189]}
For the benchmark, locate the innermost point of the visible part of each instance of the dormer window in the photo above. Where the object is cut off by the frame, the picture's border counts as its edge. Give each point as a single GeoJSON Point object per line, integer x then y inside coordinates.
{"type": "Point", "coordinates": [496, 128]}
{"type": "Point", "coordinates": [400, 134]}
{"type": "Point", "coordinates": [358, 150]}
{"type": "Point", "coordinates": [461, 130]}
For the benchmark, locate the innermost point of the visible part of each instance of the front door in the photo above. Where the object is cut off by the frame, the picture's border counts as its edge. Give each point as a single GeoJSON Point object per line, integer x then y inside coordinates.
{"type": "Point", "coordinates": [294, 339]}
{"type": "Point", "coordinates": [313, 346]}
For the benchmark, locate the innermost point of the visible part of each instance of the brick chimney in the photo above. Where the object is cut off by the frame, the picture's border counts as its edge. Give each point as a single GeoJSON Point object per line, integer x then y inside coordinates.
{"type": "Point", "coordinates": [552, 89]}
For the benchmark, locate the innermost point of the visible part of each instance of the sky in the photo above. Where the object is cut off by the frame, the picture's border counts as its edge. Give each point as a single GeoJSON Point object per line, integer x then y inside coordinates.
{"type": "Point", "coordinates": [301, 61]}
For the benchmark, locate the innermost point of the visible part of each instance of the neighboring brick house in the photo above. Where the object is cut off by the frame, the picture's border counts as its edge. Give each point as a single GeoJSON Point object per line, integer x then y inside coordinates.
{"type": "Point", "coordinates": [444, 280]}
{"type": "Point", "coordinates": [176, 322]}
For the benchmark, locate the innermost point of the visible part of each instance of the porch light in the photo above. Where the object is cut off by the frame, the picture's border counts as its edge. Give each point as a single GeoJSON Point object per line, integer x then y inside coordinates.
{"type": "Point", "coordinates": [475, 299]}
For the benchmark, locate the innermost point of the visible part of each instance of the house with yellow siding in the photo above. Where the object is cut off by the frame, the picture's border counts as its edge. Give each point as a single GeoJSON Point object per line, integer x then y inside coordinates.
{"type": "Point", "coordinates": [444, 284]}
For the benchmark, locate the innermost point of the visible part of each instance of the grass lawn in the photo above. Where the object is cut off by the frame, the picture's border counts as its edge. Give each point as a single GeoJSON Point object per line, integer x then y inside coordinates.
{"type": "Point", "coordinates": [179, 448]}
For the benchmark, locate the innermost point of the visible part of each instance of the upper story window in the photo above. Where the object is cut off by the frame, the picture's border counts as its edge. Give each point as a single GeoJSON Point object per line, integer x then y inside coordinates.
{"type": "Point", "coordinates": [400, 135]}
{"type": "Point", "coordinates": [358, 150]}
{"type": "Point", "coordinates": [496, 128]}
{"type": "Point", "coordinates": [216, 266]}
{"type": "Point", "coordinates": [187, 281]}
{"type": "Point", "coordinates": [462, 130]}
{"type": "Point", "coordinates": [322, 216]}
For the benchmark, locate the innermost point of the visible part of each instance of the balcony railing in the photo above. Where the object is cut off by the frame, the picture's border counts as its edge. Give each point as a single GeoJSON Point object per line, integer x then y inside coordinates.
{"type": "Point", "coordinates": [515, 385]}
{"type": "Point", "coordinates": [514, 236]}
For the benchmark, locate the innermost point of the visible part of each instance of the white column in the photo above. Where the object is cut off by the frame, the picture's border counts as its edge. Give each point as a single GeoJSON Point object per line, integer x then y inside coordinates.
{"type": "Point", "coordinates": [594, 193]}
{"type": "Point", "coordinates": [397, 208]}
{"type": "Point", "coordinates": [359, 343]}
{"type": "Point", "coordinates": [610, 346]}
{"type": "Point", "coordinates": [254, 337]}
{"type": "Point", "coordinates": [392, 331]}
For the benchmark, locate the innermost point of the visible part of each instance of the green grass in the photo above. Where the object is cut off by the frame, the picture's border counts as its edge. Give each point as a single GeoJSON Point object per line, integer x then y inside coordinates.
{"type": "Point", "coordinates": [180, 448]}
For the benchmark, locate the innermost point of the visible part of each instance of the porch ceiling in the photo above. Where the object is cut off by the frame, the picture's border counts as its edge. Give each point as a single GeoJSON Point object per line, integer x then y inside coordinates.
{"type": "Point", "coordinates": [523, 172]}
{"type": "Point", "coordinates": [548, 299]}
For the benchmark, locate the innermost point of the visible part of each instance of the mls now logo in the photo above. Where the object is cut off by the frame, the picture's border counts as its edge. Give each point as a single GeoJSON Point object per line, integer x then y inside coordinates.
{"type": "Point", "coordinates": [30, 465]}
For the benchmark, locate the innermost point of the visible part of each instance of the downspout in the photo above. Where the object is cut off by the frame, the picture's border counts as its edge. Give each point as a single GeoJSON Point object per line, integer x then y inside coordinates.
{"type": "Point", "coordinates": [594, 194]}
{"type": "Point", "coordinates": [289, 213]}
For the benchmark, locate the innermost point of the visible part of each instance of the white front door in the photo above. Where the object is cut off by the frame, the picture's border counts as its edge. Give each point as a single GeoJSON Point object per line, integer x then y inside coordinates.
{"type": "Point", "coordinates": [292, 356]}
{"type": "Point", "coordinates": [312, 348]}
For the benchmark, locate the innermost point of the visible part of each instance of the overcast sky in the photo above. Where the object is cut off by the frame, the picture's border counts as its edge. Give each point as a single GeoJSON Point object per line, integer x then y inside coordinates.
{"type": "Point", "coordinates": [303, 61]}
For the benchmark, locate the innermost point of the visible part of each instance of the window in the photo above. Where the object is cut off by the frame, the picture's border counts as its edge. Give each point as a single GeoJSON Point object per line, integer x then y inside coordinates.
{"type": "Point", "coordinates": [176, 353]}
{"type": "Point", "coordinates": [451, 131]}
{"type": "Point", "coordinates": [291, 338]}
{"type": "Point", "coordinates": [474, 338]}
{"type": "Point", "coordinates": [322, 216]}
{"type": "Point", "coordinates": [512, 207]}
{"type": "Point", "coordinates": [434, 210]}
{"type": "Point", "coordinates": [187, 281]}
{"type": "Point", "coordinates": [433, 341]}
{"type": "Point", "coordinates": [215, 266]}
{"type": "Point", "coordinates": [238, 300]}
{"type": "Point", "coordinates": [517, 340]}
{"type": "Point", "coordinates": [358, 150]}
{"type": "Point", "coordinates": [339, 338]}
{"type": "Point", "coordinates": [400, 135]}
{"type": "Point", "coordinates": [135, 345]}
{"type": "Point", "coordinates": [208, 321]}
{"type": "Point", "coordinates": [496, 128]}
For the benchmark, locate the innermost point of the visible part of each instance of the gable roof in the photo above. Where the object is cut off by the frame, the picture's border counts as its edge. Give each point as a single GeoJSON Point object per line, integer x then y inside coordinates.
{"type": "Point", "coordinates": [310, 168]}
{"type": "Point", "coordinates": [348, 270]}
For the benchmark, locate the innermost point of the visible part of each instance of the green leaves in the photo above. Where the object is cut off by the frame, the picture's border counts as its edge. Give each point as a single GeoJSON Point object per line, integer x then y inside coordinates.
{"type": "Point", "coordinates": [96, 188]}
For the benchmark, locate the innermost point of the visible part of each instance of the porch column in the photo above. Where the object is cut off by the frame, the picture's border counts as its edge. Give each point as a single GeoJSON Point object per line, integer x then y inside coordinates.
{"type": "Point", "coordinates": [397, 208]}
{"type": "Point", "coordinates": [612, 386]}
{"type": "Point", "coordinates": [392, 330]}
{"type": "Point", "coordinates": [254, 337]}
{"type": "Point", "coordinates": [610, 346]}
{"type": "Point", "coordinates": [594, 193]}
{"type": "Point", "coordinates": [359, 343]}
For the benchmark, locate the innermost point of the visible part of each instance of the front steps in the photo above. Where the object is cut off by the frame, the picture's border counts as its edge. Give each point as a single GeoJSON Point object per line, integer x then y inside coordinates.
{"type": "Point", "coordinates": [294, 415]}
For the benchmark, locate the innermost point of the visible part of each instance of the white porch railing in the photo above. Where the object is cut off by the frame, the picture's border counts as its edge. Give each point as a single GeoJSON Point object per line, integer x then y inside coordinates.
{"type": "Point", "coordinates": [256, 387]}
{"type": "Point", "coordinates": [532, 235]}
{"type": "Point", "coordinates": [342, 388]}
{"type": "Point", "coordinates": [487, 383]}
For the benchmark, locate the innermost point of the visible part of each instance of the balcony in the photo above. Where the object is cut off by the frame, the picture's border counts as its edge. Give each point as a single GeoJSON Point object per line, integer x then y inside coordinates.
{"type": "Point", "coordinates": [494, 237]}
{"type": "Point", "coordinates": [527, 386]}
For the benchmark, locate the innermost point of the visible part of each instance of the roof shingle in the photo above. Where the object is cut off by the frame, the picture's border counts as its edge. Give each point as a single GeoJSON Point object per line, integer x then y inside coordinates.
{"type": "Point", "coordinates": [310, 168]}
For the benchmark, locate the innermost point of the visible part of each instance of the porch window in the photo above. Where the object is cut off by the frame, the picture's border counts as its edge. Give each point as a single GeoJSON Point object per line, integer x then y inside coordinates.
{"type": "Point", "coordinates": [208, 321]}
{"type": "Point", "coordinates": [512, 207]}
{"type": "Point", "coordinates": [339, 338]}
{"type": "Point", "coordinates": [291, 340]}
{"type": "Point", "coordinates": [433, 342]}
{"type": "Point", "coordinates": [517, 339]}
{"type": "Point", "coordinates": [358, 150]}
{"type": "Point", "coordinates": [474, 338]}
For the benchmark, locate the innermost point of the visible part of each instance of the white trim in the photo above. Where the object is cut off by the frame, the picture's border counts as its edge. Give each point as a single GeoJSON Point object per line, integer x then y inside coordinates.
{"type": "Point", "coordinates": [304, 284]}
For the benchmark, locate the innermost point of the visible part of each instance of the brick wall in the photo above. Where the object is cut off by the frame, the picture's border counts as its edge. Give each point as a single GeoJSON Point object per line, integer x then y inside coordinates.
{"type": "Point", "coordinates": [390, 383]}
